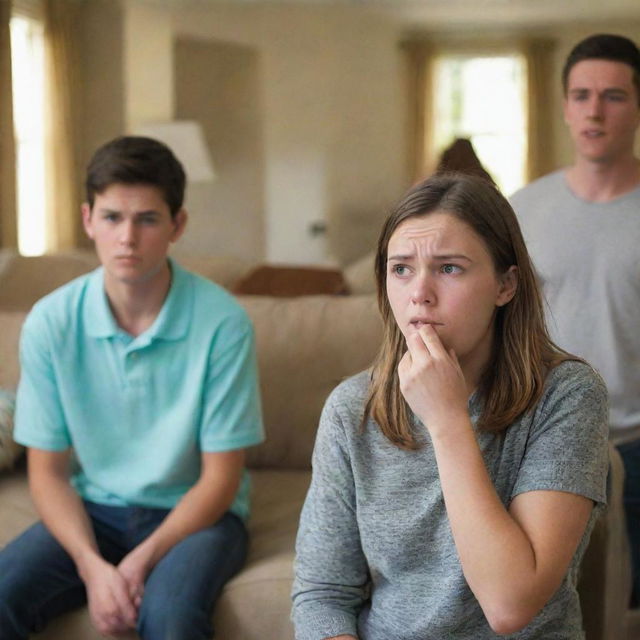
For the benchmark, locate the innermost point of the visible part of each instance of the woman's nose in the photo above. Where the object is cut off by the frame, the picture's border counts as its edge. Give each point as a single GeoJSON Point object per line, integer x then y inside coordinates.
{"type": "Point", "coordinates": [423, 291]}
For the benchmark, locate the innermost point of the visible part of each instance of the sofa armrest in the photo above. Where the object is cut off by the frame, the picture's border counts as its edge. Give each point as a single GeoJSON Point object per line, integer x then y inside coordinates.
{"type": "Point", "coordinates": [605, 576]}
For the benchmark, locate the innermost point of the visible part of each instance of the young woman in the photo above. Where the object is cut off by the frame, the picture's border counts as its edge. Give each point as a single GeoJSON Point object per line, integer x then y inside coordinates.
{"type": "Point", "coordinates": [454, 484]}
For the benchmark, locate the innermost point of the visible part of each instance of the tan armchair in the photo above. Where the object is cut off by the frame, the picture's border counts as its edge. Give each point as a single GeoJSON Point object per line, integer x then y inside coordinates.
{"type": "Point", "coordinates": [605, 579]}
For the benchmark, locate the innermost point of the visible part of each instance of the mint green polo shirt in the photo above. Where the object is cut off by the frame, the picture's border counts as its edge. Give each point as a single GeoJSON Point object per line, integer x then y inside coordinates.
{"type": "Point", "coordinates": [138, 411]}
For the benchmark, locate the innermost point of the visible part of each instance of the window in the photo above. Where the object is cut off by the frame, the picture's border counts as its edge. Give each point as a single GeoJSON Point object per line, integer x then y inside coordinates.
{"type": "Point", "coordinates": [483, 98]}
{"type": "Point", "coordinates": [27, 67]}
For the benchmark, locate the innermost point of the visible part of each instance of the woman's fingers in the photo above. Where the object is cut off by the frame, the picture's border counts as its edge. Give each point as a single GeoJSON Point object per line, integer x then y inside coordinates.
{"type": "Point", "coordinates": [417, 347]}
{"type": "Point", "coordinates": [431, 340]}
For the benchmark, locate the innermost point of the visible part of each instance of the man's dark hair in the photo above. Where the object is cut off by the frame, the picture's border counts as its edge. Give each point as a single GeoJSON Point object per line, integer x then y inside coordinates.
{"type": "Point", "coordinates": [137, 160]}
{"type": "Point", "coordinates": [604, 46]}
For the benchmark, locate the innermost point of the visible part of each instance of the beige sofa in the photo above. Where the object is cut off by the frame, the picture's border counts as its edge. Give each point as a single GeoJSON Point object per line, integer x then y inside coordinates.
{"type": "Point", "coordinates": [306, 345]}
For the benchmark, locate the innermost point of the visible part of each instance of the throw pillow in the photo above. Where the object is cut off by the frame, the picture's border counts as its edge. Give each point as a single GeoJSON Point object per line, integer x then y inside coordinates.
{"type": "Point", "coordinates": [9, 450]}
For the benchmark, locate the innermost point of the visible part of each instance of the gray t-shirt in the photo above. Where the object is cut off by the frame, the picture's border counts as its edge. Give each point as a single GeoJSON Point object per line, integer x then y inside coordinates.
{"type": "Point", "coordinates": [375, 553]}
{"type": "Point", "coordinates": [587, 255]}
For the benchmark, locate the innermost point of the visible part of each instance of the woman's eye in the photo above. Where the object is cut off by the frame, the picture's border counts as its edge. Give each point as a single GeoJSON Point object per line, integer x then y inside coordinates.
{"type": "Point", "coordinates": [450, 268]}
{"type": "Point", "coordinates": [400, 269]}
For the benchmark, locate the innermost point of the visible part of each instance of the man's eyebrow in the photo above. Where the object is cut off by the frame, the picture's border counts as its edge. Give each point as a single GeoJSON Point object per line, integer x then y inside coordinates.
{"type": "Point", "coordinates": [608, 90]}
{"type": "Point", "coordinates": [146, 212]}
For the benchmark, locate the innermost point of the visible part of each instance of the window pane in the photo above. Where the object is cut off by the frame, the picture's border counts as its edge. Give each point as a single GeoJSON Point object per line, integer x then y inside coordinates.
{"type": "Point", "coordinates": [481, 98]}
{"type": "Point", "coordinates": [27, 61]}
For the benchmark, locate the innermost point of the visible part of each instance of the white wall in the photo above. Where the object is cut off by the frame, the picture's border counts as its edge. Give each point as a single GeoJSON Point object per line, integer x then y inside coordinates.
{"type": "Point", "coordinates": [148, 65]}
{"type": "Point", "coordinates": [218, 85]}
{"type": "Point", "coordinates": [334, 120]}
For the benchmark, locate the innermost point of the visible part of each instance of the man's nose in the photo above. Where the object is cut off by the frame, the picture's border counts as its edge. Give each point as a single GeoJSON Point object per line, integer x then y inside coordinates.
{"type": "Point", "coordinates": [128, 233]}
{"type": "Point", "coordinates": [595, 107]}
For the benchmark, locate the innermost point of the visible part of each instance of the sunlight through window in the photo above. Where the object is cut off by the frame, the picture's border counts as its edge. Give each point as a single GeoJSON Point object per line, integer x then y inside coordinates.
{"type": "Point", "coordinates": [482, 98]}
{"type": "Point", "coordinates": [27, 63]}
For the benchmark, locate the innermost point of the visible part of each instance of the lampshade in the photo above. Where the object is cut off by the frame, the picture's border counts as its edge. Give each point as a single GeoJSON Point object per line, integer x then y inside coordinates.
{"type": "Point", "coordinates": [186, 139]}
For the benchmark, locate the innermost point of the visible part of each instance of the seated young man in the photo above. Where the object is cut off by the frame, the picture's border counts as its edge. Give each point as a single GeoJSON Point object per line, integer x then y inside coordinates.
{"type": "Point", "coordinates": [137, 397]}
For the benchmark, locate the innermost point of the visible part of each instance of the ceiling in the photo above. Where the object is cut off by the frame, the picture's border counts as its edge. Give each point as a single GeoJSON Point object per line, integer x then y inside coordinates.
{"type": "Point", "coordinates": [440, 13]}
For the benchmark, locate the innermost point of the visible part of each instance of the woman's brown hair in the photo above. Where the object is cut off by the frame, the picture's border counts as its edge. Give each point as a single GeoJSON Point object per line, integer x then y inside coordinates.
{"type": "Point", "coordinates": [522, 351]}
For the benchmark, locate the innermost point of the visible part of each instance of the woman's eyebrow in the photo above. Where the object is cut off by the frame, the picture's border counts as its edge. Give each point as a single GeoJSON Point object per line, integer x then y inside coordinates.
{"type": "Point", "coordinates": [406, 256]}
{"type": "Point", "coordinates": [446, 256]}
{"type": "Point", "coordinates": [452, 256]}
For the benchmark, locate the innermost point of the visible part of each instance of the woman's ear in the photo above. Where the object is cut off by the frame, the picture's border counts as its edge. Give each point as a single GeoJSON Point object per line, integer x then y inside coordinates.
{"type": "Point", "coordinates": [508, 286]}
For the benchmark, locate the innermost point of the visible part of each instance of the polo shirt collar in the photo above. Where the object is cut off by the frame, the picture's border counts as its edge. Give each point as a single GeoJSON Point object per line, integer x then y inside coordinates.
{"type": "Point", "coordinates": [172, 322]}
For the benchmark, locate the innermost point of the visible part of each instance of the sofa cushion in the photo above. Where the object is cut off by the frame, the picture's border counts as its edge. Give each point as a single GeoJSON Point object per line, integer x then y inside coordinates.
{"type": "Point", "coordinates": [306, 346]}
{"type": "Point", "coordinates": [264, 585]}
{"type": "Point", "coordinates": [224, 270]}
{"type": "Point", "coordinates": [360, 275]}
{"type": "Point", "coordinates": [9, 450]}
{"type": "Point", "coordinates": [11, 324]}
{"type": "Point", "coordinates": [24, 280]}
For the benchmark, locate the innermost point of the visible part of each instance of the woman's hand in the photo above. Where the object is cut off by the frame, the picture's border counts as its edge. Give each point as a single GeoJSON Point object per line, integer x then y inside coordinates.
{"type": "Point", "coordinates": [432, 382]}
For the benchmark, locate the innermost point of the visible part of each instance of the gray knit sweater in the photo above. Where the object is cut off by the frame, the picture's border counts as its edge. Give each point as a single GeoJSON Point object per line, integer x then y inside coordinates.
{"type": "Point", "coordinates": [375, 553]}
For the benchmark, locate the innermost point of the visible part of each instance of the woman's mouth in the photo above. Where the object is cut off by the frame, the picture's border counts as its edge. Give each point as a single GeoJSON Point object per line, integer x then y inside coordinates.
{"type": "Point", "coordinates": [418, 322]}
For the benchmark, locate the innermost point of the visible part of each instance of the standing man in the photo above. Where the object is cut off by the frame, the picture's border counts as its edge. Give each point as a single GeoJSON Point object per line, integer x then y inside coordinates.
{"type": "Point", "coordinates": [137, 397]}
{"type": "Point", "coordinates": [582, 227]}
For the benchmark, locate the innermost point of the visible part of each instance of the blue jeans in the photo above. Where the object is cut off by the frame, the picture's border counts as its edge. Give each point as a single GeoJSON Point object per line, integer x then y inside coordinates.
{"type": "Point", "coordinates": [630, 453]}
{"type": "Point", "coordinates": [38, 579]}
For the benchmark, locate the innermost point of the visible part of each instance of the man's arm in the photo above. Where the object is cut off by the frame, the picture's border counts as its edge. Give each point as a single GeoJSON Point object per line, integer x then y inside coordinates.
{"type": "Point", "coordinates": [63, 513]}
{"type": "Point", "coordinates": [204, 504]}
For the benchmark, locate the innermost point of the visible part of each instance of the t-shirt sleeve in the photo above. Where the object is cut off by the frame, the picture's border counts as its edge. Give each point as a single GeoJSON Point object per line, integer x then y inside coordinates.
{"type": "Point", "coordinates": [39, 417]}
{"type": "Point", "coordinates": [231, 414]}
{"type": "Point", "coordinates": [331, 575]}
{"type": "Point", "coordinates": [567, 447]}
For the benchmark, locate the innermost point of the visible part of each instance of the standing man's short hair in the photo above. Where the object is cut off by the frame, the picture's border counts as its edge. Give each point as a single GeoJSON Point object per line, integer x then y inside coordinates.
{"type": "Point", "coordinates": [137, 160]}
{"type": "Point", "coordinates": [604, 46]}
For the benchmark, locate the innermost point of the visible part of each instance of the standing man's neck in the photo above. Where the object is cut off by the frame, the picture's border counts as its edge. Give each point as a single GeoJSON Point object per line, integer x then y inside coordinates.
{"type": "Point", "coordinates": [603, 181]}
{"type": "Point", "coordinates": [135, 306]}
